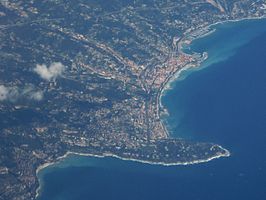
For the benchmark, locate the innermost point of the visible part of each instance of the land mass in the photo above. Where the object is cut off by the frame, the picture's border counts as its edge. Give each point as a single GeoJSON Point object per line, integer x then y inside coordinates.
{"type": "Point", "coordinates": [109, 64]}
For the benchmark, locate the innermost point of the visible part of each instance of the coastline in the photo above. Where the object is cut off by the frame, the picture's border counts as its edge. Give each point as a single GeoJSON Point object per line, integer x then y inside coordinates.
{"type": "Point", "coordinates": [165, 86]}
{"type": "Point", "coordinates": [176, 75]}
{"type": "Point", "coordinates": [110, 155]}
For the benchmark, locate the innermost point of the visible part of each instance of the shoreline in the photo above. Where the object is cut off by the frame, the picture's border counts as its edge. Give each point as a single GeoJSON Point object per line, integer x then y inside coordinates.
{"type": "Point", "coordinates": [176, 75]}
{"type": "Point", "coordinates": [165, 86]}
{"type": "Point", "coordinates": [110, 155]}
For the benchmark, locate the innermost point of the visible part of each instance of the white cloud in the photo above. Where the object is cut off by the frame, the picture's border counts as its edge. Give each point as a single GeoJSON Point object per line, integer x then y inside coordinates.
{"type": "Point", "coordinates": [3, 93]}
{"type": "Point", "coordinates": [52, 72]}
{"type": "Point", "coordinates": [13, 93]}
{"type": "Point", "coordinates": [37, 95]}
{"type": "Point", "coordinates": [30, 92]}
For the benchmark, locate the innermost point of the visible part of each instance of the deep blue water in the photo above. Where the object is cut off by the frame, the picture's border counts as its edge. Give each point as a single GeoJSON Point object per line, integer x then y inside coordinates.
{"type": "Point", "coordinates": [223, 103]}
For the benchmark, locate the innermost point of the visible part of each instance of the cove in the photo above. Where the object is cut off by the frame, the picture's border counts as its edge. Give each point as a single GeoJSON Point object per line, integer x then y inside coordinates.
{"type": "Point", "coordinates": [224, 103]}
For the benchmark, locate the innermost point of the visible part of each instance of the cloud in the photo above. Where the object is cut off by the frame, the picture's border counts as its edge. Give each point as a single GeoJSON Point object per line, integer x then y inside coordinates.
{"type": "Point", "coordinates": [50, 73]}
{"type": "Point", "coordinates": [37, 96]}
{"type": "Point", "coordinates": [13, 93]}
{"type": "Point", "coordinates": [30, 92]}
{"type": "Point", "coordinates": [3, 93]}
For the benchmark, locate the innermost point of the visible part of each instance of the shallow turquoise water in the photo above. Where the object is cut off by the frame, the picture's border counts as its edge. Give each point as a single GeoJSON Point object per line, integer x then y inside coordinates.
{"type": "Point", "coordinates": [223, 103]}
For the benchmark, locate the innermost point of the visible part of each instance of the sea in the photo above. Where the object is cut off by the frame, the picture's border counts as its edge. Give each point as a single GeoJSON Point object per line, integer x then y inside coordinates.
{"type": "Point", "coordinates": [223, 101]}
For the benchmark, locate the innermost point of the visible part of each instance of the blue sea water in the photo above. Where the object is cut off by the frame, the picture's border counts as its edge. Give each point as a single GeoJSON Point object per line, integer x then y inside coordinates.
{"type": "Point", "coordinates": [224, 102]}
